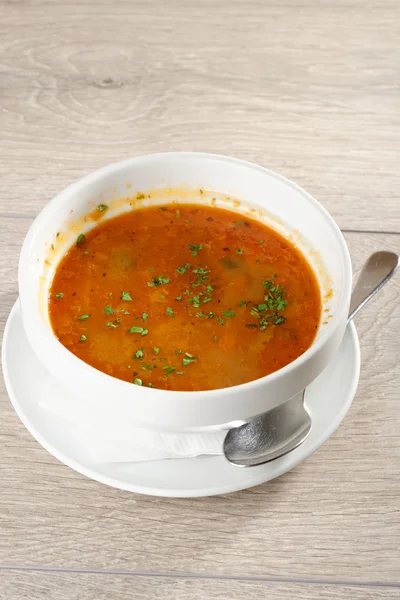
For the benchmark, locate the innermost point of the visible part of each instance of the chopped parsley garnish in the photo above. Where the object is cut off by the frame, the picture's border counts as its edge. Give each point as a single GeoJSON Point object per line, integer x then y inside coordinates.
{"type": "Point", "coordinates": [112, 325]}
{"type": "Point", "coordinates": [207, 299]}
{"type": "Point", "coordinates": [83, 317]}
{"type": "Point", "coordinates": [178, 298]}
{"type": "Point", "coordinates": [108, 310]}
{"type": "Point", "coordinates": [135, 329]}
{"type": "Point", "coordinates": [179, 352]}
{"type": "Point", "coordinates": [137, 381]}
{"type": "Point", "coordinates": [102, 207]}
{"type": "Point", "coordinates": [145, 332]}
{"type": "Point", "coordinates": [180, 372]}
{"type": "Point", "coordinates": [81, 239]}
{"type": "Point", "coordinates": [195, 301]}
{"type": "Point", "coordinates": [220, 320]}
{"type": "Point", "coordinates": [195, 248]}
{"type": "Point", "coordinates": [148, 367]}
{"type": "Point", "coordinates": [215, 339]}
{"type": "Point", "coordinates": [279, 320]}
{"type": "Point", "coordinates": [239, 223]}
{"type": "Point", "coordinates": [188, 359]}
{"type": "Point", "coordinates": [229, 313]}
{"type": "Point", "coordinates": [126, 297]}
{"type": "Point", "coordinates": [168, 370]}
{"type": "Point", "coordinates": [139, 353]}
{"type": "Point", "coordinates": [59, 295]}
{"type": "Point", "coordinates": [83, 338]}
{"type": "Point", "coordinates": [156, 350]}
{"type": "Point", "coordinates": [169, 311]}
{"type": "Point", "coordinates": [151, 385]}
{"type": "Point", "coordinates": [144, 317]}
{"type": "Point", "coordinates": [242, 303]}
{"type": "Point", "coordinates": [202, 315]}
{"type": "Point", "coordinates": [158, 280]}
{"type": "Point", "coordinates": [239, 251]}
{"type": "Point", "coordinates": [209, 288]}
{"type": "Point", "coordinates": [181, 270]}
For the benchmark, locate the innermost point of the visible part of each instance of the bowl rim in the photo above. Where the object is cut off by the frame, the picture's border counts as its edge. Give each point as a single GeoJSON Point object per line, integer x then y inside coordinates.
{"type": "Point", "coordinates": [65, 355]}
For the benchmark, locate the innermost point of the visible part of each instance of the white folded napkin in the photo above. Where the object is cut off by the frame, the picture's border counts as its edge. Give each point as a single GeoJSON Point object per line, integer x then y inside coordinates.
{"type": "Point", "coordinates": [109, 438]}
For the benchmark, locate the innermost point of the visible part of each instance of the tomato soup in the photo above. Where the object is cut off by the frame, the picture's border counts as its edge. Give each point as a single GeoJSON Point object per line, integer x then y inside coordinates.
{"type": "Point", "coordinates": [184, 297]}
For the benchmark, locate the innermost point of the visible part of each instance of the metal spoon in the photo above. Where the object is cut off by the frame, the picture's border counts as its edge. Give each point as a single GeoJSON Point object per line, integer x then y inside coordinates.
{"type": "Point", "coordinates": [280, 430]}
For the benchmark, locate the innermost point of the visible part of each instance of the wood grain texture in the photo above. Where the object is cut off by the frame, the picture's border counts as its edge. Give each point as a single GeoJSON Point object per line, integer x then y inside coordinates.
{"type": "Point", "coordinates": [90, 586]}
{"type": "Point", "coordinates": [307, 88]}
{"type": "Point", "coordinates": [335, 516]}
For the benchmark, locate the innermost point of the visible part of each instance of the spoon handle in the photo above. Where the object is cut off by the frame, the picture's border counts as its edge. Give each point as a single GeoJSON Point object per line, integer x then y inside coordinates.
{"type": "Point", "coordinates": [377, 271]}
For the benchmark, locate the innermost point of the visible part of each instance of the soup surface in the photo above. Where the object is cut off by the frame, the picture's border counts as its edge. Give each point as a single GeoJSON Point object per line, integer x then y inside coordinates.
{"type": "Point", "coordinates": [184, 297]}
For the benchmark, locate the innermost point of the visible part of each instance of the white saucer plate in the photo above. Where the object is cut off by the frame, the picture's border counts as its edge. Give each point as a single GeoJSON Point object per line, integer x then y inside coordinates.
{"type": "Point", "coordinates": [327, 399]}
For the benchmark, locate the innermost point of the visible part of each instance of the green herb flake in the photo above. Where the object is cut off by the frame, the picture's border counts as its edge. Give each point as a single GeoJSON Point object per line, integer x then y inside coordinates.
{"type": "Point", "coordinates": [60, 295]}
{"type": "Point", "coordinates": [220, 320]}
{"type": "Point", "coordinates": [215, 339]}
{"type": "Point", "coordinates": [83, 317]}
{"type": "Point", "coordinates": [169, 311]}
{"type": "Point", "coordinates": [151, 385]}
{"type": "Point", "coordinates": [260, 242]}
{"type": "Point", "coordinates": [158, 280]}
{"type": "Point", "coordinates": [81, 239]}
{"type": "Point", "coordinates": [145, 332]}
{"type": "Point", "coordinates": [262, 307]}
{"type": "Point", "coordinates": [228, 313]}
{"type": "Point", "coordinates": [180, 372]}
{"type": "Point", "coordinates": [187, 221]}
{"type": "Point", "coordinates": [126, 297]}
{"type": "Point", "coordinates": [139, 353]}
{"type": "Point", "coordinates": [279, 320]}
{"type": "Point", "coordinates": [102, 207]}
{"type": "Point", "coordinates": [144, 317]}
{"type": "Point", "coordinates": [242, 303]}
{"type": "Point", "coordinates": [194, 248]}
{"type": "Point", "coordinates": [188, 359]}
{"type": "Point", "coordinates": [137, 381]}
{"type": "Point", "coordinates": [168, 370]}
{"type": "Point", "coordinates": [139, 196]}
{"type": "Point", "coordinates": [195, 301]}
{"type": "Point", "coordinates": [207, 299]}
{"type": "Point", "coordinates": [156, 350]}
{"type": "Point", "coordinates": [112, 325]}
{"type": "Point", "coordinates": [57, 234]}
{"type": "Point", "coordinates": [178, 298]}
{"type": "Point", "coordinates": [162, 208]}
{"type": "Point", "coordinates": [148, 367]}
{"type": "Point", "coordinates": [135, 329]}
{"type": "Point", "coordinates": [239, 223]}
{"type": "Point", "coordinates": [181, 270]}
{"type": "Point", "coordinates": [108, 310]}
{"type": "Point", "coordinates": [239, 251]}
{"type": "Point", "coordinates": [209, 288]}
{"type": "Point", "coordinates": [83, 338]}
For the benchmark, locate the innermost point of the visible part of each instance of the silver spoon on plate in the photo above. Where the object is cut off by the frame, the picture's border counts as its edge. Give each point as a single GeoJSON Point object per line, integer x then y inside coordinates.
{"type": "Point", "coordinates": [280, 430]}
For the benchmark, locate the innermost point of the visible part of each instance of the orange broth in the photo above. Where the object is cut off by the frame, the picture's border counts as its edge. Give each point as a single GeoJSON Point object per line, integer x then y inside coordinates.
{"type": "Point", "coordinates": [184, 297]}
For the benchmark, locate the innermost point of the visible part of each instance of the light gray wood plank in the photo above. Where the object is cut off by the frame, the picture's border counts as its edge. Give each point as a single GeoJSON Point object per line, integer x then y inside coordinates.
{"type": "Point", "coordinates": [336, 515]}
{"type": "Point", "coordinates": [90, 586]}
{"type": "Point", "coordinates": [307, 88]}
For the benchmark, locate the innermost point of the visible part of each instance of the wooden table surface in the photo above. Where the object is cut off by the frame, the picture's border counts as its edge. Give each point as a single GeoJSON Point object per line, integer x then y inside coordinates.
{"type": "Point", "coordinates": [309, 88]}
